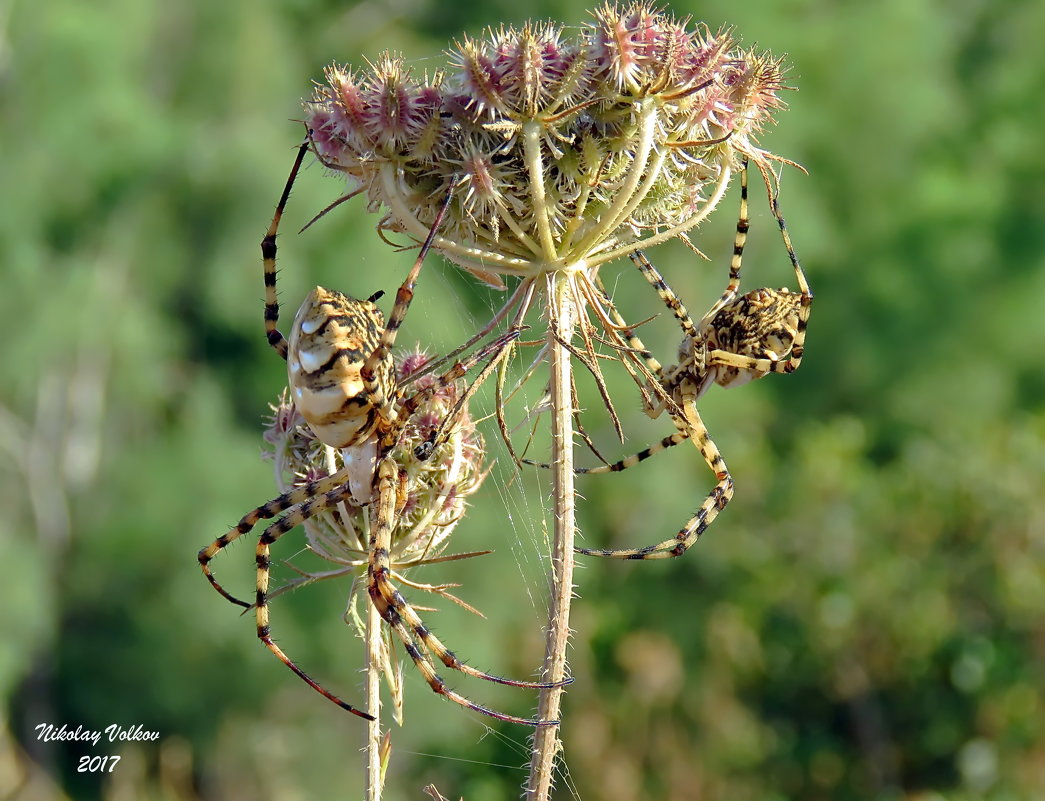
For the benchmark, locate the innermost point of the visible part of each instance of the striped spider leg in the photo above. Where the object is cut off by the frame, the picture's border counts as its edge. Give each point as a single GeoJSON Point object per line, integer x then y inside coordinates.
{"type": "Point", "coordinates": [342, 379]}
{"type": "Point", "coordinates": [738, 340]}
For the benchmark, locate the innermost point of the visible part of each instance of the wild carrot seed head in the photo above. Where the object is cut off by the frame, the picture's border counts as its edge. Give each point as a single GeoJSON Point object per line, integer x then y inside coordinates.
{"type": "Point", "coordinates": [570, 150]}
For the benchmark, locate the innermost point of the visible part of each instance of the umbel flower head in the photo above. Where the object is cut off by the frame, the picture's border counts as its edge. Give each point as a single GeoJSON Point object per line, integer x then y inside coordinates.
{"type": "Point", "coordinates": [567, 152]}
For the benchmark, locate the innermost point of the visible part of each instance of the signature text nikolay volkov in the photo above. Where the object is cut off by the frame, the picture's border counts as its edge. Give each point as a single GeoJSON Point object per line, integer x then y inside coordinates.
{"type": "Point", "coordinates": [113, 733]}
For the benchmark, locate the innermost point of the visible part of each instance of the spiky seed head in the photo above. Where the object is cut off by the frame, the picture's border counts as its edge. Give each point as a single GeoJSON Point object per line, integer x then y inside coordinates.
{"type": "Point", "coordinates": [570, 150]}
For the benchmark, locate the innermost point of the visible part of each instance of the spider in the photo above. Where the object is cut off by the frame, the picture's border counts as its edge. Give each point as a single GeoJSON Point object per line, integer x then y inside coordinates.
{"type": "Point", "coordinates": [343, 382]}
{"type": "Point", "coordinates": [739, 339]}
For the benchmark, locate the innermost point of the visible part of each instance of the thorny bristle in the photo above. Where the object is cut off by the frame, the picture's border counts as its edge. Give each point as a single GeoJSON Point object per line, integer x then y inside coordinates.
{"type": "Point", "coordinates": [569, 150]}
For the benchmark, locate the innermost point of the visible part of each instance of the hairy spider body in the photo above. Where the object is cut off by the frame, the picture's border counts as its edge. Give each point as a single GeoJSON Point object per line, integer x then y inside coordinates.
{"type": "Point", "coordinates": [741, 338]}
{"type": "Point", "coordinates": [747, 336]}
{"type": "Point", "coordinates": [342, 379]}
{"type": "Point", "coordinates": [332, 336]}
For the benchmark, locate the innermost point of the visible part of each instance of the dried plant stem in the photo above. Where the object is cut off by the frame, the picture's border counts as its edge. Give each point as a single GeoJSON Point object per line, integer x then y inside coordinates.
{"type": "Point", "coordinates": [546, 745]}
{"type": "Point", "coordinates": [374, 646]}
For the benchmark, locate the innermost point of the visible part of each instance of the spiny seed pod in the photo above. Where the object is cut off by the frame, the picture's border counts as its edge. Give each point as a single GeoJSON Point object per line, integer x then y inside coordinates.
{"type": "Point", "coordinates": [569, 152]}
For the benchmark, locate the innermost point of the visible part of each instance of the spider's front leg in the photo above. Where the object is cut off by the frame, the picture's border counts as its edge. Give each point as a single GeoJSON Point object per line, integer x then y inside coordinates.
{"type": "Point", "coordinates": [501, 348]}
{"type": "Point", "coordinates": [405, 622]}
{"type": "Point", "coordinates": [268, 257]}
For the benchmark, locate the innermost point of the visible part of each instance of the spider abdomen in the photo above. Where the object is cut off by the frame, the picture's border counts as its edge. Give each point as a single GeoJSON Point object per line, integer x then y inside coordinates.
{"type": "Point", "coordinates": [332, 338]}
{"type": "Point", "coordinates": [762, 324]}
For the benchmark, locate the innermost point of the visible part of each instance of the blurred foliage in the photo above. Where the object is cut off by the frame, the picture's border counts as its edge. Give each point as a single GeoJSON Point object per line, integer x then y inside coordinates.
{"type": "Point", "coordinates": [867, 619]}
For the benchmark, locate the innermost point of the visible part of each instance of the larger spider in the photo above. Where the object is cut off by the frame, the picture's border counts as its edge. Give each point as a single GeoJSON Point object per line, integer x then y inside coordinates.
{"type": "Point", "coordinates": [343, 383]}
{"type": "Point", "coordinates": [739, 339]}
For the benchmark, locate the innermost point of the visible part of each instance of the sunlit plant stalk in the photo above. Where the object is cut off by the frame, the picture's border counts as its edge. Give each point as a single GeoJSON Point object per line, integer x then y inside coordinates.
{"type": "Point", "coordinates": [545, 740]}
{"type": "Point", "coordinates": [372, 670]}
{"type": "Point", "coordinates": [562, 154]}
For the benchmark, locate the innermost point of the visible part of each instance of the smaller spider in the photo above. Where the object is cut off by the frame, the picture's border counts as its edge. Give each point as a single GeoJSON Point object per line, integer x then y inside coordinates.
{"type": "Point", "coordinates": [343, 382]}
{"type": "Point", "coordinates": [738, 340]}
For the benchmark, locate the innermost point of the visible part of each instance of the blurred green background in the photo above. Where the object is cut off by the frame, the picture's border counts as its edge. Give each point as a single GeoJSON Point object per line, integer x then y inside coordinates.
{"type": "Point", "coordinates": [866, 620]}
